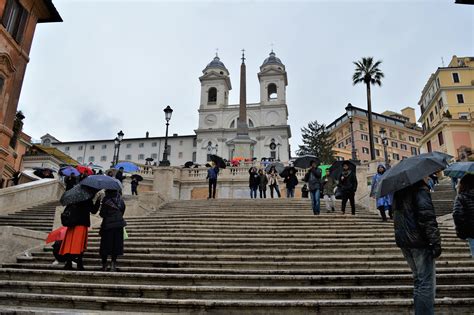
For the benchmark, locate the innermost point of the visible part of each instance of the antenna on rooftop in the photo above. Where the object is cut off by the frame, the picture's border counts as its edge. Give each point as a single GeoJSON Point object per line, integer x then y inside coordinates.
{"type": "Point", "coordinates": [442, 61]}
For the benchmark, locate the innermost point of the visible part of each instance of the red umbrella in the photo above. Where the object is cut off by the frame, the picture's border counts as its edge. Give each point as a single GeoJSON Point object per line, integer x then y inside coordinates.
{"type": "Point", "coordinates": [84, 169]}
{"type": "Point", "coordinates": [56, 235]}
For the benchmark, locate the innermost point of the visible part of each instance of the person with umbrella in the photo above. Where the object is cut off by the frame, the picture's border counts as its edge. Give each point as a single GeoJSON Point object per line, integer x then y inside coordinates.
{"type": "Point", "coordinates": [291, 181]}
{"type": "Point", "coordinates": [254, 181]}
{"type": "Point", "coordinates": [348, 185]}
{"type": "Point", "coordinates": [313, 178]}
{"type": "Point", "coordinates": [463, 212]}
{"type": "Point", "coordinates": [383, 203]}
{"type": "Point", "coordinates": [134, 183]}
{"type": "Point", "coordinates": [112, 208]}
{"type": "Point", "coordinates": [212, 173]}
{"type": "Point", "coordinates": [70, 181]}
{"type": "Point", "coordinates": [262, 185]}
{"type": "Point", "coordinates": [273, 181]}
{"type": "Point", "coordinates": [120, 175]}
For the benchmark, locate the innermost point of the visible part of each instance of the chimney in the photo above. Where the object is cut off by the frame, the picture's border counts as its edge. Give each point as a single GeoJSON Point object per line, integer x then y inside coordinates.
{"type": "Point", "coordinates": [410, 113]}
{"type": "Point", "coordinates": [175, 134]}
{"type": "Point", "coordinates": [147, 135]}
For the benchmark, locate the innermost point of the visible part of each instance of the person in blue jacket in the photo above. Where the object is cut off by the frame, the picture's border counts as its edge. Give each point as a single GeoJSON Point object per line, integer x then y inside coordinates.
{"type": "Point", "coordinates": [384, 203]}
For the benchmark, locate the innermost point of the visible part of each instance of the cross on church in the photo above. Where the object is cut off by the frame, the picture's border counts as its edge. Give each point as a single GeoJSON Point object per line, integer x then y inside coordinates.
{"type": "Point", "coordinates": [217, 52]}
{"type": "Point", "coordinates": [271, 44]}
{"type": "Point", "coordinates": [243, 55]}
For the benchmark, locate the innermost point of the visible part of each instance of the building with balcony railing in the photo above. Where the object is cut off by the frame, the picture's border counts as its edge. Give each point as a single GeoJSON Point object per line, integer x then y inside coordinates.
{"type": "Point", "coordinates": [447, 107]}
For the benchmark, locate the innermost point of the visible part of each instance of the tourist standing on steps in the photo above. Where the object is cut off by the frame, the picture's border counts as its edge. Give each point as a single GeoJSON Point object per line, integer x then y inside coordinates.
{"type": "Point", "coordinates": [254, 181]}
{"type": "Point", "coordinates": [112, 209]}
{"type": "Point", "coordinates": [263, 181]}
{"type": "Point", "coordinates": [70, 181]}
{"type": "Point", "coordinates": [329, 184]}
{"type": "Point", "coordinates": [313, 178]}
{"type": "Point", "coordinates": [418, 236]}
{"type": "Point", "coordinates": [75, 240]}
{"type": "Point", "coordinates": [273, 182]}
{"type": "Point", "coordinates": [212, 173]}
{"type": "Point", "coordinates": [120, 175]}
{"type": "Point", "coordinates": [463, 213]}
{"type": "Point", "coordinates": [134, 185]}
{"type": "Point", "coordinates": [348, 185]}
{"type": "Point", "coordinates": [291, 181]}
{"type": "Point", "coordinates": [383, 203]}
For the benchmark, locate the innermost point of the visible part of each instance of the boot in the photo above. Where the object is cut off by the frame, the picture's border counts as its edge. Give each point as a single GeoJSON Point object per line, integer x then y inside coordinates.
{"type": "Point", "coordinates": [104, 265]}
{"type": "Point", "coordinates": [113, 266]}
{"type": "Point", "coordinates": [68, 265]}
{"type": "Point", "coordinates": [80, 264]}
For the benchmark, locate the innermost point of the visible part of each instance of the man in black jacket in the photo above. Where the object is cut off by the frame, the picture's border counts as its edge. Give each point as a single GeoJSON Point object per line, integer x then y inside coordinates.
{"type": "Point", "coordinates": [417, 235]}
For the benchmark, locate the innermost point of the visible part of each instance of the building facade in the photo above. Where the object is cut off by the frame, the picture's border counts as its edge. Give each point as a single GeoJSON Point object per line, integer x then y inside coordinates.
{"type": "Point", "coordinates": [17, 27]}
{"type": "Point", "coordinates": [402, 133]}
{"type": "Point", "coordinates": [447, 109]}
{"type": "Point", "coordinates": [267, 120]}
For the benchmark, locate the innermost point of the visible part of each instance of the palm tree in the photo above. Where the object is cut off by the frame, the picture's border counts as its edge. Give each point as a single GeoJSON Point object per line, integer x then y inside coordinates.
{"type": "Point", "coordinates": [368, 72]}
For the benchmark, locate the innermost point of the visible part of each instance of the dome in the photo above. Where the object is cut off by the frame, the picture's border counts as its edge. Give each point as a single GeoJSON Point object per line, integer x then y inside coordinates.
{"type": "Point", "coordinates": [272, 60]}
{"type": "Point", "coordinates": [216, 63]}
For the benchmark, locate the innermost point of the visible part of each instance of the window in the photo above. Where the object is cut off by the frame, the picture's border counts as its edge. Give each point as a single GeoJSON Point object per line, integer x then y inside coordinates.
{"type": "Point", "coordinates": [141, 157]}
{"type": "Point", "coordinates": [154, 156]}
{"type": "Point", "coordinates": [103, 158]}
{"type": "Point", "coordinates": [180, 142]}
{"type": "Point", "coordinates": [194, 156]}
{"type": "Point", "coordinates": [91, 159]}
{"type": "Point", "coordinates": [180, 155]}
{"type": "Point", "coordinates": [141, 145]}
{"type": "Point", "coordinates": [428, 146]}
{"type": "Point", "coordinates": [440, 103]}
{"type": "Point", "coordinates": [80, 147]}
{"type": "Point", "coordinates": [460, 98]}
{"type": "Point", "coordinates": [411, 138]}
{"type": "Point", "coordinates": [377, 152]}
{"type": "Point", "coordinates": [154, 144]}
{"type": "Point", "coordinates": [212, 95]}
{"type": "Point", "coordinates": [396, 156]}
{"type": "Point", "coordinates": [440, 138]}
{"type": "Point", "coordinates": [364, 137]}
{"type": "Point", "coordinates": [403, 147]}
{"type": "Point", "coordinates": [14, 19]}
{"type": "Point", "coordinates": [128, 157]}
{"type": "Point", "coordinates": [79, 159]}
{"type": "Point", "coordinates": [365, 150]}
{"type": "Point", "coordinates": [414, 151]}
{"type": "Point", "coordinates": [394, 144]}
{"type": "Point", "coordinates": [272, 91]}
{"type": "Point", "coordinates": [376, 140]}
{"type": "Point", "coordinates": [66, 148]}
{"type": "Point", "coordinates": [348, 140]}
{"type": "Point", "coordinates": [431, 117]}
{"type": "Point", "coordinates": [273, 154]}
{"type": "Point", "coordinates": [251, 123]}
{"type": "Point", "coordinates": [129, 145]}
{"type": "Point", "coordinates": [463, 115]}
{"type": "Point", "coordinates": [92, 147]}
{"type": "Point", "coordinates": [455, 77]}
{"type": "Point", "coordinates": [104, 146]}
{"type": "Point", "coordinates": [362, 126]}
{"type": "Point", "coordinates": [194, 142]}
{"type": "Point", "coordinates": [437, 81]}
{"type": "Point", "coordinates": [339, 145]}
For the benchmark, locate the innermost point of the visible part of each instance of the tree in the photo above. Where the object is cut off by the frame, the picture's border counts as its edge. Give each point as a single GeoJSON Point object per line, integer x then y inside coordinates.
{"type": "Point", "coordinates": [367, 71]}
{"type": "Point", "coordinates": [317, 141]}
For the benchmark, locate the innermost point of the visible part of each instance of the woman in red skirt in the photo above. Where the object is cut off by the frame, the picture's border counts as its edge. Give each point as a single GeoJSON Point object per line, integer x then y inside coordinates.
{"type": "Point", "coordinates": [75, 241]}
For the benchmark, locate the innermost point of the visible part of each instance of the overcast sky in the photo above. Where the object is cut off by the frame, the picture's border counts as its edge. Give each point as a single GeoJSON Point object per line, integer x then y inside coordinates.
{"type": "Point", "coordinates": [115, 65]}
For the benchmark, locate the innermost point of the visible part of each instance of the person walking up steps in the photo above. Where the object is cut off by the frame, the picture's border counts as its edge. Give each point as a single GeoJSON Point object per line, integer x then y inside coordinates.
{"type": "Point", "coordinates": [463, 213]}
{"type": "Point", "coordinates": [383, 203]}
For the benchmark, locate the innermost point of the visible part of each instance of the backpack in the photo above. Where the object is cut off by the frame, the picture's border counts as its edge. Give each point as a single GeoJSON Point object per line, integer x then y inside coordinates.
{"type": "Point", "coordinates": [67, 217]}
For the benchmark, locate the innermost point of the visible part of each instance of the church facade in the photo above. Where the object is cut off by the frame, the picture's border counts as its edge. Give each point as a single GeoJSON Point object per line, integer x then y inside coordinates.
{"type": "Point", "coordinates": [267, 120]}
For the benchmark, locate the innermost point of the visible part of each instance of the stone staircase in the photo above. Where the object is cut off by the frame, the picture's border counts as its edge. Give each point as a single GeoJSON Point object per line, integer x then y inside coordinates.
{"type": "Point", "coordinates": [443, 198]}
{"type": "Point", "coordinates": [38, 218]}
{"type": "Point", "coordinates": [244, 257]}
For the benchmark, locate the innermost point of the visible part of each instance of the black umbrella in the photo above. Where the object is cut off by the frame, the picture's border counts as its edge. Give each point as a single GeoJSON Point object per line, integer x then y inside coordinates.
{"type": "Point", "coordinates": [305, 161]}
{"type": "Point", "coordinates": [188, 164]}
{"type": "Point", "coordinates": [138, 177]}
{"type": "Point", "coordinates": [43, 172]}
{"type": "Point", "coordinates": [149, 159]}
{"type": "Point", "coordinates": [410, 171]}
{"type": "Point", "coordinates": [102, 182]}
{"type": "Point", "coordinates": [336, 168]}
{"type": "Point", "coordinates": [218, 161]}
{"type": "Point", "coordinates": [77, 194]}
{"type": "Point", "coordinates": [279, 167]}
{"type": "Point", "coordinates": [286, 171]}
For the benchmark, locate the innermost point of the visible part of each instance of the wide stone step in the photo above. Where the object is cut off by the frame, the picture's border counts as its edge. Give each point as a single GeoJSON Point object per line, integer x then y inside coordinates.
{"type": "Point", "coordinates": [228, 292]}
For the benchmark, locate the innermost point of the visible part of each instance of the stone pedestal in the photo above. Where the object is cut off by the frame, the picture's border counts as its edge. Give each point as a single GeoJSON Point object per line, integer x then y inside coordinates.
{"type": "Point", "coordinates": [163, 181]}
{"type": "Point", "coordinates": [243, 146]}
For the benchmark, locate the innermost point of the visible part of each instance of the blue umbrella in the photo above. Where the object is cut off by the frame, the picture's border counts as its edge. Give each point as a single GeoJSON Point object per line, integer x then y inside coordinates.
{"type": "Point", "coordinates": [128, 167]}
{"type": "Point", "coordinates": [459, 169]}
{"type": "Point", "coordinates": [102, 182]}
{"type": "Point", "coordinates": [68, 170]}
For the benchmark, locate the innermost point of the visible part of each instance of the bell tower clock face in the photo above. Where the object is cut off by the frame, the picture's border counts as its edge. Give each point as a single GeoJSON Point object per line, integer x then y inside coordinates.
{"type": "Point", "coordinates": [210, 120]}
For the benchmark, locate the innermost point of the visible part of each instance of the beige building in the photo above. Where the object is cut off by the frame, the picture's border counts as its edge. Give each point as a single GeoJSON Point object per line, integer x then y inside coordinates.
{"type": "Point", "coordinates": [402, 133]}
{"type": "Point", "coordinates": [447, 105]}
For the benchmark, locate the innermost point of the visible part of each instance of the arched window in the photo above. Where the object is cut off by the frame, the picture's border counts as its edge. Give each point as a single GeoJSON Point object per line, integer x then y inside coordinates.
{"type": "Point", "coordinates": [212, 95]}
{"type": "Point", "coordinates": [272, 91]}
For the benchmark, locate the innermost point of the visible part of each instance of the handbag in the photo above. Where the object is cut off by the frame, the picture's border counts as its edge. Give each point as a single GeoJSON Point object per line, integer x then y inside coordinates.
{"type": "Point", "coordinates": [67, 217]}
{"type": "Point", "coordinates": [338, 193]}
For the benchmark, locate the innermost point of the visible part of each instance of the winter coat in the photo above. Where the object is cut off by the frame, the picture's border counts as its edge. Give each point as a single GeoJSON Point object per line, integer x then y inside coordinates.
{"type": "Point", "coordinates": [212, 173]}
{"type": "Point", "coordinates": [348, 182]}
{"type": "Point", "coordinates": [263, 182]}
{"type": "Point", "coordinates": [414, 218]}
{"type": "Point", "coordinates": [313, 178]}
{"type": "Point", "coordinates": [111, 211]}
{"type": "Point", "coordinates": [273, 179]}
{"type": "Point", "coordinates": [384, 201]}
{"type": "Point", "coordinates": [134, 184]}
{"type": "Point", "coordinates": [80, 213]}
{"type": "Point", "coordinates": [254, 179]}
{"type": "Point", "coordinates": [291, 181]}
{"type": "Point", "coordinates": [329, 185]}
{"type": "Point", "coordinates": [120, 176]}
{"type": "Point", "coordinates": [463, 214]}
{"type": "Point", "coordinates": [70, 182]}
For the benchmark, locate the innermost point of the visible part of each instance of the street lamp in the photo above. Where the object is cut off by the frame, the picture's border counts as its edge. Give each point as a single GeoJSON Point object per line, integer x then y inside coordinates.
{"type": "Point", "coordinates": [168, 111]}
{"type": "Point", "coordinates": [383, 135]}
{"type": "Point", "coordinates": [350, 114]}
{"type": "Point", "coordinates": [117, 143]}
{"type": "Point", "coordinates": [278, 150]}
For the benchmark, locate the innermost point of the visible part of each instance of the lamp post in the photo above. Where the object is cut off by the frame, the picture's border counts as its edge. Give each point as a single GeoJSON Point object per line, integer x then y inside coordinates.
{"type": "Point", "coordinates": [168, 111]}
{"type": "Point", "coordinates": [278, 150]}
{"type": "Point", "coordinates": [114, 158]}
{"type": "Point", "coordinates": [383, 135]}
{"type": "Point", "coordinates": [350, 114]}
{"type": "Point", "coordinates": [117, 142]}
